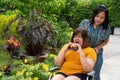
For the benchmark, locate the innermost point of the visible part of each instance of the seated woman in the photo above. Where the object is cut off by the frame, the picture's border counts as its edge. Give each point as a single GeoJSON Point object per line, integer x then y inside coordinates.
{"type": "Point", "coordinates": [76, 58]}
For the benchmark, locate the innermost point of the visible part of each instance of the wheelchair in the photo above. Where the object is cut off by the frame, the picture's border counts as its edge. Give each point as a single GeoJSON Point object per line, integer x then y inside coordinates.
{"type": "Point", "coordinates": [90, 75]}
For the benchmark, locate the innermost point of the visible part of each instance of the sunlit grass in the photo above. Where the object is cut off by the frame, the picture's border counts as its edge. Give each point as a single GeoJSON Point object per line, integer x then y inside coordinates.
{"type": "Point", "coordinates": [3, 59]}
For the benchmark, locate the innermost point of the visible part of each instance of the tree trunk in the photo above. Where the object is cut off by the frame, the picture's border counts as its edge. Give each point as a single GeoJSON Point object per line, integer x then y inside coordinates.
{"type": "Point", "coordinates": [34, 49]}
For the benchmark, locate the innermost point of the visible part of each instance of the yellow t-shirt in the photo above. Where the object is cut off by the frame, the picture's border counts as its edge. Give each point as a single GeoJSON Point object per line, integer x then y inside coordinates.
{"type": "Point", "coordinates": [72, 62]}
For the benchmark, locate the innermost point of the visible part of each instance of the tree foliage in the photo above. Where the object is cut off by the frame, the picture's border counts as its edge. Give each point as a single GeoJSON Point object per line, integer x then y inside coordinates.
{"type": "Point", "coordinates": [37, 31]}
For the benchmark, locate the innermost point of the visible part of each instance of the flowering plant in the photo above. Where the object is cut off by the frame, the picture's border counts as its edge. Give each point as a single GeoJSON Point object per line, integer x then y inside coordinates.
{"type": "Point", "coordinates": [13, 47]}
{"type": "Point", "coordinates": [30, 71]}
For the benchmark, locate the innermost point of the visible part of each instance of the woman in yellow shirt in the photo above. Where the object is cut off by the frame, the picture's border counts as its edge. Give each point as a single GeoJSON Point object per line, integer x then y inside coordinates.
{"type": "Point", "coordinates": [75, 58]}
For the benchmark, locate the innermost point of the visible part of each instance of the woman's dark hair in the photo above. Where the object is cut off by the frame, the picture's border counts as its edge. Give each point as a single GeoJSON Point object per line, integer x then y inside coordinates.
{"type": "Point", "coordinates": [84, 35]}
{"type": "Point", "coordinates": [99, 9]}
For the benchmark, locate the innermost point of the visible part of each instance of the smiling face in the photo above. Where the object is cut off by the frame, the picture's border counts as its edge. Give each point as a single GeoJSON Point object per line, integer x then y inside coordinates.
{"type": "Point", "coordinates": [99, 18]}
{"type": "Point", "coordinates": [78, 39]}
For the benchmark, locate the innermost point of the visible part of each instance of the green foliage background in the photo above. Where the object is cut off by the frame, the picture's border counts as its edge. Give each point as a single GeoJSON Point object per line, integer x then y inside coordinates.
{"type": "Point", "coordinates": [65, 15]}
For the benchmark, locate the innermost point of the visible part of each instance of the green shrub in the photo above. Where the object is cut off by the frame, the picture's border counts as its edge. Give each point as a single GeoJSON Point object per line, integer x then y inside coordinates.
{"type": "Point", "coordinates": [30, 71]}
{"type": "Point", "coordinates": [4, 20]}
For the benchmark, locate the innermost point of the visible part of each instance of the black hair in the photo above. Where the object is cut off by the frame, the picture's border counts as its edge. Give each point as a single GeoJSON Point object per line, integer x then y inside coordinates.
{"type": "Point", "coordinates": [99, 9]}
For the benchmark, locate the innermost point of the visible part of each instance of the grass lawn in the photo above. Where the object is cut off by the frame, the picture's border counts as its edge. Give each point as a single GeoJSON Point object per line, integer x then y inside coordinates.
{"type": "Point", "coordinates": [4, 58]}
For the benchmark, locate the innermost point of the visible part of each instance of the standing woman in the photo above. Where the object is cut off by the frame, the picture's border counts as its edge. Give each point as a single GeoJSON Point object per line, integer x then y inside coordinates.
{"type": "Point", "coordinates": [99, 32]}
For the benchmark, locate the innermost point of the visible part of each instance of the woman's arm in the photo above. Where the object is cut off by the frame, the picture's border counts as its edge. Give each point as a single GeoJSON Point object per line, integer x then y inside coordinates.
{"type": "Point", "coordinates": [60, 58]}
{"type": "Point", "coordinates": [87, 63]}
{"type": "Point", "coordinates": [101, 45]}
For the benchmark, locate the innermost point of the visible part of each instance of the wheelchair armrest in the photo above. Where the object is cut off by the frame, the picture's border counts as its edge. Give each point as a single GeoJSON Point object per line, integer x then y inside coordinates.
{"type": "Point", "coordinates": [91, 73]}
{"type": "Point", "coordinates": [54, 69]}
